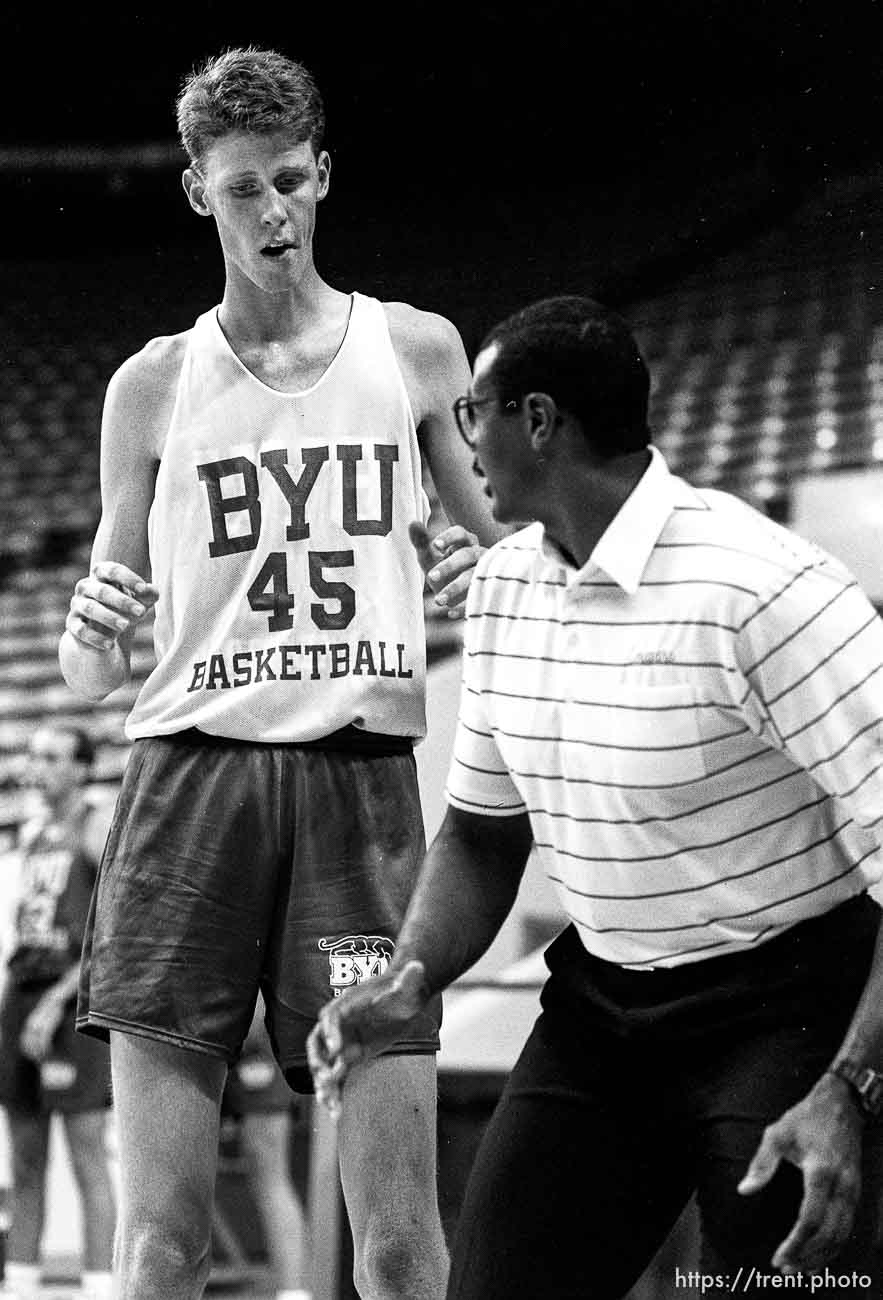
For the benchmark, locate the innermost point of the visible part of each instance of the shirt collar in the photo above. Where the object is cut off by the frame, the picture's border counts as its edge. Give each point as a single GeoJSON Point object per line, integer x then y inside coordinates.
{"type": "Point", "coordinates": [626, 545]}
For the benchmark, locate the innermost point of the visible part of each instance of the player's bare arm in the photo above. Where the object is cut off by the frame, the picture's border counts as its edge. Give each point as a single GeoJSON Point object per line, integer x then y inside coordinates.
{"type": "Point", "coordinates": [434, 363]}
{"type": "Point", "coordinates": [436, 370]}
{"type": "Point", "coordinates": [109, 602]}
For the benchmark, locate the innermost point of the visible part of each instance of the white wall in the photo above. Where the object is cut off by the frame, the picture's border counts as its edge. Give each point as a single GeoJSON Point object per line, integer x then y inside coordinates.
{"type": "Point", "coordinates": [842, 511]}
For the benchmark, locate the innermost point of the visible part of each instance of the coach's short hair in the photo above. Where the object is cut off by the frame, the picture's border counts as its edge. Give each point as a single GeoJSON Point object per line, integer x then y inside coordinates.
{"type": "Point", "coordinates": [585, 357]}
{"type": "Point", "coordinates": [249, 89]}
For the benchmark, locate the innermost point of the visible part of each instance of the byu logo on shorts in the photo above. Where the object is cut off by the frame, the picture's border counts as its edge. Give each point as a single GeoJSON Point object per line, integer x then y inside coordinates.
{"type": "Point", "coordinates": [356, 957]}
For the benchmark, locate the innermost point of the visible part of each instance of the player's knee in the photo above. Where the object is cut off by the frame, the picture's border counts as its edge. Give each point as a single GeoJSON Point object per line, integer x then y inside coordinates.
{"type": "Point", "coordinates": [165, 1266]}
{"type": "Point", "coordinates": [166, 1247]}
{"type": "Point", "coordinates": [392, 1264]}
{"type": "Point", "coordinates": [384, 1268]}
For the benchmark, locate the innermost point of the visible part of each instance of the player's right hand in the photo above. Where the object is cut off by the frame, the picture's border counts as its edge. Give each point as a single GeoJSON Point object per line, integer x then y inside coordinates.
{"type": "Point", "coordinates": [109, 602]}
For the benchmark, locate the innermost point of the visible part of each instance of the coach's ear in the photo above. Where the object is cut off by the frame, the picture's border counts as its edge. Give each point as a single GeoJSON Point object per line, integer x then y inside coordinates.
{"type": "Point", "coordinates": [544, 418]}
{"type": "Point", "coordinates": [194, 188]}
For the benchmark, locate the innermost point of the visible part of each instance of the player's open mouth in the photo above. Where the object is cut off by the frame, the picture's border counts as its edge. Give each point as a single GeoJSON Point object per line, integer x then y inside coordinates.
{"type": "Point", "coordinates": [276, 250]}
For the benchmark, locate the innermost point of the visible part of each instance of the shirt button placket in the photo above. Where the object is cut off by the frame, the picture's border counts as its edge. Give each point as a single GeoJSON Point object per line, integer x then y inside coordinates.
{"type": "Point", "coordinates": [571, 639]}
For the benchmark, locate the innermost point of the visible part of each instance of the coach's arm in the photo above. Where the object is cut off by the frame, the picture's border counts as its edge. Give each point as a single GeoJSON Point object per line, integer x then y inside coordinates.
{"type": "Point", "coordinates": [465, 891]}
{"type": "Point", "coordinates": [823, 1136]}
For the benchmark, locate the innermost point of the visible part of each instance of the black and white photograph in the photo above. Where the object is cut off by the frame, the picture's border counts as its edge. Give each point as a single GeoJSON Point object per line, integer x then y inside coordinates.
{"type": "Point", "coordinates": [441, 657]}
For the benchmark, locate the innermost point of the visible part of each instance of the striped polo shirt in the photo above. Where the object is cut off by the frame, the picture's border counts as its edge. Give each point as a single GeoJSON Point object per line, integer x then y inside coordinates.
{"type": "Point", "coordinates": [692, 721]}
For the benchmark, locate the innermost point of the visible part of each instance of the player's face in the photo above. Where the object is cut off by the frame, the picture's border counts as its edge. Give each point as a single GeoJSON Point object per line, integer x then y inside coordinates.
{"type": "Point", "coordinates": [53, 769]}
{"type": "Point", "coordinates": [500, 444]}
{"type": "Point", "coordinates": [262, 191]}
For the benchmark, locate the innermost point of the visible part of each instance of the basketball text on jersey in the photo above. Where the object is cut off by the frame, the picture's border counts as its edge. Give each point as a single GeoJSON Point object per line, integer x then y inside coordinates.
{"type": "Point", "coordinates": [291, 599]}
{"type": "Point", "coordinates": [296, 493]}
{"type": "Point", "coordinates": [271, 589]}
{"type": "Point", "coordinates": [290, 663]}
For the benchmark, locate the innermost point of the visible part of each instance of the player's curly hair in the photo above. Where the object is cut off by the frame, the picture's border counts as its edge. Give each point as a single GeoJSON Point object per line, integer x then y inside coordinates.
{"type": "Point", "coordinates": [248, 89]}
{"type": "Point", "coordinates": [584, 356]}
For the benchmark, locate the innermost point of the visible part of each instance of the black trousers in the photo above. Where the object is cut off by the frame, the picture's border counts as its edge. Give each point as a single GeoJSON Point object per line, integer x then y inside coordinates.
{"type": "Point", "coordinates": [637, 1089]}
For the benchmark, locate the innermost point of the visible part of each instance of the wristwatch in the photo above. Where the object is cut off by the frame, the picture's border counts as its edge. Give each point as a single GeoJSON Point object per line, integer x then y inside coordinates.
{"type": "Point", "coordinates": [867, 1084]}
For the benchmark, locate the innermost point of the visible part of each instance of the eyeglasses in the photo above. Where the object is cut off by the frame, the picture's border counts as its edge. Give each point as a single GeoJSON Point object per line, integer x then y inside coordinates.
{"type": "Point", "coordinates": [464, 413]}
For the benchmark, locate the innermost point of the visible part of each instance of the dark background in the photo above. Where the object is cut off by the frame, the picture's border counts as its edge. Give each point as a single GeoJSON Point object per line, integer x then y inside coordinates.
{"type": "Point", "coordinates": [482, 154]}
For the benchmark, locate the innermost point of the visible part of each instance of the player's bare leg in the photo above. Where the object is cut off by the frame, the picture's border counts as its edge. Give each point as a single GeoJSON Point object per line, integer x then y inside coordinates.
{"type": "Point", "coordinates": [167, 1103]}
{"type": "Point", "coordinates": [387, 1138]}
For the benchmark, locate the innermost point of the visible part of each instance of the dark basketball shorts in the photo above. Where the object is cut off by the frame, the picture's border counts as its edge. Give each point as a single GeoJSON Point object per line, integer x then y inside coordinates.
{"type": "Point", "coordinates": [232, 867]}
{"type": "Point", "coordinates": [74, 1077]}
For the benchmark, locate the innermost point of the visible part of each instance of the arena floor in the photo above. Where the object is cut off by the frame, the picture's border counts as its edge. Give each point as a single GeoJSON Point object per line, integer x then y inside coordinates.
{"type": "Point", "coordinates": [62, 1285]}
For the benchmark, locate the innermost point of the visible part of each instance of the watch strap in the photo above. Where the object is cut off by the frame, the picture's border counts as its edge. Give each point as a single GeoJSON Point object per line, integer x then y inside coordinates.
{"type": "Point", "coordinates": [866, 1083]}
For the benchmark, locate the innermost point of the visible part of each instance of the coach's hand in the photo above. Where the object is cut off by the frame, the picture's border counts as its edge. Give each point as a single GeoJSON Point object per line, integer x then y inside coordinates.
{"type": "Point", "coordinates": [111, 601]}
{"type": "Point", "coordinates": [448, 560]}
{"type": "Point", "coordinates": [359, 1025]}
{"type": "Point", "coordinates": [822, 1136]}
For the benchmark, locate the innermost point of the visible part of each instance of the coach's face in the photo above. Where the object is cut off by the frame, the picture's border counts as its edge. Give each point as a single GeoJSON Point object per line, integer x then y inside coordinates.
{"type": "Point", "coordinates": [500, 441]}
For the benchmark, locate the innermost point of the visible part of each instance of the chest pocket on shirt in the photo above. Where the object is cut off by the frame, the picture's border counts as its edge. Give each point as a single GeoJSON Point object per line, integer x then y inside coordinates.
{"type": "Point", "coordinates": [638, 737]}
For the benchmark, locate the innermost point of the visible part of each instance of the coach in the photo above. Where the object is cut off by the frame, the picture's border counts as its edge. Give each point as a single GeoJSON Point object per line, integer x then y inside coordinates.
{"type": "Point", "coordinates": [679, 704]}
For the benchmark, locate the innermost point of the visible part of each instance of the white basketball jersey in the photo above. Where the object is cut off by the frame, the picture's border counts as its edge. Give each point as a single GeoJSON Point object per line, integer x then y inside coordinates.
{"type": "Point", "coordinates": [291, 600]}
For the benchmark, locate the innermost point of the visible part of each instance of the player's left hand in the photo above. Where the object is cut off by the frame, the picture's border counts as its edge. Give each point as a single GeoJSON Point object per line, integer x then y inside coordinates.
{"type": "Point", "coordinates": [448, 560]}
{"type": "Point", "coordinates": [822, 1136]}
{"type": "Point", "coordinates": [40, 1028]}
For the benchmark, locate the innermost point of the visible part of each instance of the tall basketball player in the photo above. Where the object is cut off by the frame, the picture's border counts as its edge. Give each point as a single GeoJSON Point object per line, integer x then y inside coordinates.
{"type": "Point", "coordinates": [260, 475]}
